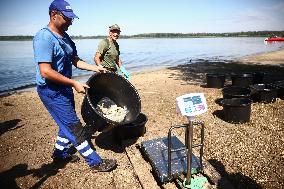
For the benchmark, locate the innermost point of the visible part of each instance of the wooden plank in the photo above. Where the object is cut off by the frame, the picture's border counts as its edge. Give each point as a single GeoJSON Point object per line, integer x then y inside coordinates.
{"type": "Point", "coordinates": [141, 167]}
{"type": "Point", "coordinates": [215, 177]}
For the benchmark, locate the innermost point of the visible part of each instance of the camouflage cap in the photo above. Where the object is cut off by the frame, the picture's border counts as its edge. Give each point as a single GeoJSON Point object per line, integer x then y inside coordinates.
{"type": "Point", "coordinates": [114, 27]}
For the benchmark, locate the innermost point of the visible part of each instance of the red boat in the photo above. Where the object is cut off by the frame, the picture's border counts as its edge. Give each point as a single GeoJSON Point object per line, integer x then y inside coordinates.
{"type": "Point", "coordinates": [274, 39]}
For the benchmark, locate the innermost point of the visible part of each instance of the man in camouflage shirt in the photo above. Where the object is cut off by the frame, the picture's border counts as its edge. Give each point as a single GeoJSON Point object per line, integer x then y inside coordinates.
{"type": "Point", "coordinates": [107, 54]}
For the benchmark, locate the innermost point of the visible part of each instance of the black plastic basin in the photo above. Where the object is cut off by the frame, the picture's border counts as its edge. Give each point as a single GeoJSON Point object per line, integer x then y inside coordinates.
{"type": "Point", "coordinates": [264, 93]}
{"type": "Point", "coordinates": [280, 86]}
{"type": "Point", "coordinates": [236, 110]}
{"type": "Point", "coordinates": [242, 80]}
{"type": "Point", "coordinates": [236, 92]}
{"type": "Point", "coordinates": [118, 90]}
{"type": "Point", "coordinates": [258, 77]}
{"type": "Point", "coordinates": [131, 130]}
{"type": "Point", "coordinates": [215, 80]}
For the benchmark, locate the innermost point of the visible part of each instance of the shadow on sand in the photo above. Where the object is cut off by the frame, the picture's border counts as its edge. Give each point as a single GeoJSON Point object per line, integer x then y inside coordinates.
{"type": "Point", "coordinates": [239, 180]}
{"type": "Point", "coordinates": [194, 73]}
{"type": "Point", "coordinates": [9, 125]}
{"type": "Point", "coordinates": [8, 177]}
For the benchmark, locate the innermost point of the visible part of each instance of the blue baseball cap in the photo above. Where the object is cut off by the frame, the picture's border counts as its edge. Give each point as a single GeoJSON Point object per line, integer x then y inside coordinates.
{"type": "Point", "coordinates": [64, 7]}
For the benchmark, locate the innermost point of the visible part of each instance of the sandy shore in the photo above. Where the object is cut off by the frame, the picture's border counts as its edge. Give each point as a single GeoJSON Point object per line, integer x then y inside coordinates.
{"type": "Point", "coordinates": [250, 155]}
{"type": "Point", "coordinates": [276, 58]}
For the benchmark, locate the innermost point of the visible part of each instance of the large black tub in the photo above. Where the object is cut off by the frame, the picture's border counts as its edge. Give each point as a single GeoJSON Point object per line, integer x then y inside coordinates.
{"type": "Point", "coordinates": [215, 80]}
{"type": "Point", "coordinates": [236, 92]}
{"type": "Point", "coordinates": [114, 87]}
{"type": "Point", "coordinates": [236, 110]}
{"type": "Point", "coordinates": [280, 86]}
{"type": "Point", "coordinates": [258, 77]}
{"type": "Point", "coordinates": [242, 80]}
{"type": "Point", "coordinates": [264, 93]}
{"type": "Point", "coordinates": [131, 130]}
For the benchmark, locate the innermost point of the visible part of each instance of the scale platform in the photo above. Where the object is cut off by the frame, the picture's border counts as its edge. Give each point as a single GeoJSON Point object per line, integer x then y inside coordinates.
{"type": "Point", "coordinates": [156, 151]}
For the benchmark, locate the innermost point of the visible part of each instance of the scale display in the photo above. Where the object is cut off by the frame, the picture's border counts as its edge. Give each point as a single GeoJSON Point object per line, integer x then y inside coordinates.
{"type": "Point", "coordinates": [191, 104]}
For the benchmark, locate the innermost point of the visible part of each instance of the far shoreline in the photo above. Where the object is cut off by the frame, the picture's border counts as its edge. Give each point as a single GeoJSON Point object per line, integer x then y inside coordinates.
{"type": "Point", "coordinates": [262, 34]}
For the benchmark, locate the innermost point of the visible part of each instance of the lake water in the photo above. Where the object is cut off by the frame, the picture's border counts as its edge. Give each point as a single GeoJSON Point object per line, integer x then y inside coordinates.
{"type": "Point", "coordinates": [17, 67]}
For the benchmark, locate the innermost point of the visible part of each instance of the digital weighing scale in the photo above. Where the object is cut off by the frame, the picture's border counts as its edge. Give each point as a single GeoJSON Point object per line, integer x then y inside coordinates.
{"type": "Point", "coordinates": [168, 156]}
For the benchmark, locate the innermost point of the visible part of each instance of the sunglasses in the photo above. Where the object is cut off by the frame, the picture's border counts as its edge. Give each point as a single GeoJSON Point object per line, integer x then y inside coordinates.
{"type": "Point", "coordinates": [115, 31]}
{"type": "Point", "coordinates": [65, 17]}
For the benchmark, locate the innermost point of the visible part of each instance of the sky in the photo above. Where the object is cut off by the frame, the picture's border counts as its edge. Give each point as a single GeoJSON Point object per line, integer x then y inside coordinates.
{"type": "Point", "coordinates": [26, 17]}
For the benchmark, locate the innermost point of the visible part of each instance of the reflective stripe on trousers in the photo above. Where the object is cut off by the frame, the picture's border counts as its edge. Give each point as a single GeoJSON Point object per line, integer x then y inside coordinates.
{"type": "Point", "coordinates": [61, 105]}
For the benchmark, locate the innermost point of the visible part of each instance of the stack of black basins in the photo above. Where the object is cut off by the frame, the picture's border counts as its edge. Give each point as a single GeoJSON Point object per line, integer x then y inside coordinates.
{"type": "Point", "coordinates": [280, 86]}
{"type": "Point", "coordinates": [215, 80]}
{"type": "Point", "coordinates": [236, 104]}
{"type": "Point", "coordinates": [236, 98]}
{"type": "Point", "coordinates": [120, 92]}
{"type": "Point", "coordinates": [245, 89]}
{"type": "Point", "coordinates": [262, 92]}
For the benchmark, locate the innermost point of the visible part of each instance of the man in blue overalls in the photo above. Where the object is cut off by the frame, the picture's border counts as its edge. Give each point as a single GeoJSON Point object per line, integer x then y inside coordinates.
{"type": "Point", "coordinates": [54, 54]}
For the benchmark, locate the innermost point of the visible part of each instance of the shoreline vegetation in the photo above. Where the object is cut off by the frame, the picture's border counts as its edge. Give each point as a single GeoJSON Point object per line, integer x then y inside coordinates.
{"type": "Point", "coordinates": [163, 35]}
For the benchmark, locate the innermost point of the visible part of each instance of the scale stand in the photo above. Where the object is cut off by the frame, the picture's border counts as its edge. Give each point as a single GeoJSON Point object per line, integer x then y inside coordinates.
{"type": "Point", "coordinates": [168, 156]}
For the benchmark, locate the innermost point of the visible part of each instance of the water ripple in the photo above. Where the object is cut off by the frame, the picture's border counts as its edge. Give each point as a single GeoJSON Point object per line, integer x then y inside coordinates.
{"type": "Point", "coordinates": [17, 67]}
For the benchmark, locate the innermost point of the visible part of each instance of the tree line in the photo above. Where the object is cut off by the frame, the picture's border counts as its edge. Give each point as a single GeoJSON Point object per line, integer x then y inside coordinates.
{"type": "Point", "coordinates": [165, 35]}
{"type": "Point", "coordinates": [190, 35]}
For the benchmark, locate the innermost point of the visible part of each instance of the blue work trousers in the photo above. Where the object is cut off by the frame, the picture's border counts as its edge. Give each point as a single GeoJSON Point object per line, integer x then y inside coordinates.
{"type": "Point", "coordinates": [59, 101]}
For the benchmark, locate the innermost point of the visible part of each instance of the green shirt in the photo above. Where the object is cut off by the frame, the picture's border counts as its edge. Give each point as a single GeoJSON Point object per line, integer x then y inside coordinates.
{"type": "Point", "coordinates": [110, 53]}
